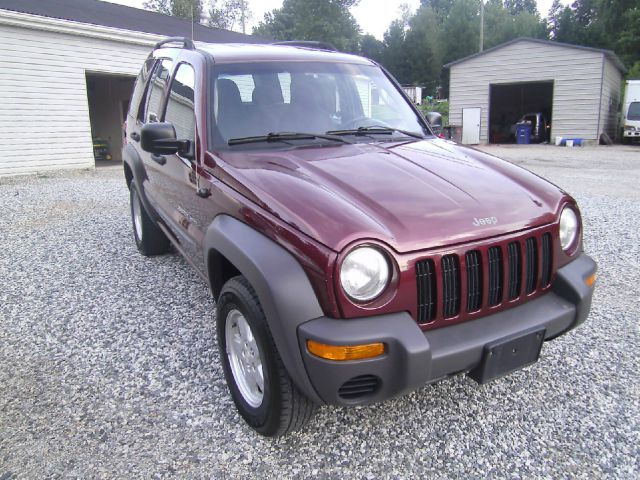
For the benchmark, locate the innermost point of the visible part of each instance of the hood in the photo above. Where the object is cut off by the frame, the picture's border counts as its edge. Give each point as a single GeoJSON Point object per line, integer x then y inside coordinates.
{"type": "Point", "coordinates": [412, 195]}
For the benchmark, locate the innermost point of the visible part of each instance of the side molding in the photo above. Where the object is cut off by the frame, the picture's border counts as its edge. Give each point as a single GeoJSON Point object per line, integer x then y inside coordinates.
{"type": "Point", "coordinates": [285, 293]}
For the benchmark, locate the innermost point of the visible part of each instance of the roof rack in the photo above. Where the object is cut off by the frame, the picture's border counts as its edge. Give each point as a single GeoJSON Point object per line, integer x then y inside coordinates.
{"type": "Point", "coordinates": [186, 42]}
{"type": "Point", "coordinates": [309, 44]}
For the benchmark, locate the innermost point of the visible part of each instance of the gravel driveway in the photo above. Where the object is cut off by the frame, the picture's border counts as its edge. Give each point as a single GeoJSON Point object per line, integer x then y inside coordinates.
{"type": "Point", "coordinates": [108, 365]}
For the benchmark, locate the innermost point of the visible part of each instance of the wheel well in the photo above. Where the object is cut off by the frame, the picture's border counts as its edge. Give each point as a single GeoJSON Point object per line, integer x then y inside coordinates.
{"type": "Point", "coordinates": [128, 175]}
{"type": "Point", "coordinates": [220, 270]}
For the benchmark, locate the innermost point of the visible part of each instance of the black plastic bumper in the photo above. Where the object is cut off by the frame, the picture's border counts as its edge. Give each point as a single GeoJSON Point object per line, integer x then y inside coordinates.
{"type": "Point", "coordinates": [414, 358]}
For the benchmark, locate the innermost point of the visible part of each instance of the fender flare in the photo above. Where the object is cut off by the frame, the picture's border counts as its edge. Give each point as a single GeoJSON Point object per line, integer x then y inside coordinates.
{"type": "Point", "coordinates": [131, 159]}
{"type": "Point", "coordinates": [282, 286]}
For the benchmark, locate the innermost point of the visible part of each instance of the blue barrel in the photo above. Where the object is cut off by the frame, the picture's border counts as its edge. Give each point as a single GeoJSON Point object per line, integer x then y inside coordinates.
{"type": "Point", "coordinates": [523, 133]}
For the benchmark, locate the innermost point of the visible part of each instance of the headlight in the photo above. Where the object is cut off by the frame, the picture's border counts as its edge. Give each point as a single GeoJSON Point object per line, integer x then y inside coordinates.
{"type": "Point", "coordinates": [364, 273]}
{"type": "Point", "coordinates": [568, 228]}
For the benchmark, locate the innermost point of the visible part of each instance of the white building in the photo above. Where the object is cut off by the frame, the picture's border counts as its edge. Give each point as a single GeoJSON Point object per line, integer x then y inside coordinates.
{"type": "Point", "coordinates": [414, 93]}
{"type": "Point", "coordinates": [68, 68]}
{"type": "Point", "coordinates": [577, 88]}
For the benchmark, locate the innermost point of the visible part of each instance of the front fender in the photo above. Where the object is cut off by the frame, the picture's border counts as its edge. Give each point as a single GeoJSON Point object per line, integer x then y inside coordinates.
{"type": "Point", "coordinates": [282, 286]}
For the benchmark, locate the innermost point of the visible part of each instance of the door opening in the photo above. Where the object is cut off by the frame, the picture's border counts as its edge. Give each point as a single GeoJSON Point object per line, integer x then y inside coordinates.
{"type": "Point", "coordinates": [108, 98]}
{"type": "Point", "coordinates": [510, 104]}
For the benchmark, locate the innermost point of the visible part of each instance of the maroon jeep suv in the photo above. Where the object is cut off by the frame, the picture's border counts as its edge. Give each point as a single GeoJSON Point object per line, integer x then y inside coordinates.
{"type": "Point", "coordinates": [353, 255]}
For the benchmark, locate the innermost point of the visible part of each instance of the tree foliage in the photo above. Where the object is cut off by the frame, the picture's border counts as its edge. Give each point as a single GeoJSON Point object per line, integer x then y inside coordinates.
{"type": "Point", "coordinates": [229, 14]}
{"type": "Point", "coordinates": [610, 24]}
{"type": "Point", "coordinates": [177, 8]}
{"type": "Point", "coordinates": [324, 20]}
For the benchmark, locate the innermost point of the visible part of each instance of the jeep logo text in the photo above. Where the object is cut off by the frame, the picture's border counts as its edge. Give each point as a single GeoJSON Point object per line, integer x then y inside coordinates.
{"type": "Point", "coordinates": [478, 222]}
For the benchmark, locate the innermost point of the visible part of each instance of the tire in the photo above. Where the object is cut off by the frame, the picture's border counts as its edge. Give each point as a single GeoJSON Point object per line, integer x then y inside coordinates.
{"type": "Point", "coordinates": [276, 407]}
{"type": "Point", "coordinates": [150, 240]}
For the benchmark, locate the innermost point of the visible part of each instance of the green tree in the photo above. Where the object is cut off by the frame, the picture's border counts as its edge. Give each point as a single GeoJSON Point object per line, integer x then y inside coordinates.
{"type": "Point", "coordinates": [177, 8]}
{"type": "Point", "coordinates": [500, 25]}
{"type": "Point", "coordinates": [229, 14]}
{"type": "Point", "coordinates": [395, 55]}
{"type": "Point", "coordinates": [371, 47]}
{"type": "Point", "coordinates": [160, 6]}
{"type": "Point", "coordinates": [461, 30]}
{"type": "Point", "coordinates": [324, 20]}
{"type": "Point", "coordinates": [423, 49]}
{"type": "Point", "coordinates": [628, 42]}
{"type": "Point", "coordinates": [516, 7]}
{"type": "Point", "coordinates": [553, 18]}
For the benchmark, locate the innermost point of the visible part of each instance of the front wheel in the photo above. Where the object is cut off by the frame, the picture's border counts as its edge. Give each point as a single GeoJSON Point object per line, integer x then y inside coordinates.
{"type": "Point", "coordinates": [260, 386]}
{"type": "Point", "coordinates": [150, 240]}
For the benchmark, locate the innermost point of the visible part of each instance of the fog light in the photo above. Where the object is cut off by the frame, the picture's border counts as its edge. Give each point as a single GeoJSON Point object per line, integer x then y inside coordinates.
{"type": "Point", "coordinates": [591, 280]}
{"type": "Point", "coordinates": [345, 352]}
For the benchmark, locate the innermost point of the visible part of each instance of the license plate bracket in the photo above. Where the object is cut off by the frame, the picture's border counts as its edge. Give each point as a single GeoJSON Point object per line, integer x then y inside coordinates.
{"type": "Point", "coordinates": [508, 354]}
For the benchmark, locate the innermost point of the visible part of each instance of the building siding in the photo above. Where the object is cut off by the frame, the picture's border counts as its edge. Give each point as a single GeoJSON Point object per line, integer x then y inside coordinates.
{"type": "Point", "coordinates": [577, 77]}
{"type": "Point", "coordinates": [44, 112]}
{"type": "Point", "coordinates": [610, 102]}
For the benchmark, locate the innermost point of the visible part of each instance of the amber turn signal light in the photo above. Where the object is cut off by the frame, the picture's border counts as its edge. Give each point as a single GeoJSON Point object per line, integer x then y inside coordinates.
{"type": "Point", "coordinates": [591, 280]}
{"type": "Point", "coordinates": [345, 352]}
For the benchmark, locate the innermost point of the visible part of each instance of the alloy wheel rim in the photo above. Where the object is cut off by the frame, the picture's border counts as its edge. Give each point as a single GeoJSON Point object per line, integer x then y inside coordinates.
{"type": "Point", "coordinates": [137, 215]}
{"type": "Point", "coordinates": [244, 358]}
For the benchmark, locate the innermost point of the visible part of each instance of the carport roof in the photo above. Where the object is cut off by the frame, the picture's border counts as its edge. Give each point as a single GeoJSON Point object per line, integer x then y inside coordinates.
{"type": "Point", "coordinates": [607, 53]}
{"type": "Point", "coordinates": [119, 16]}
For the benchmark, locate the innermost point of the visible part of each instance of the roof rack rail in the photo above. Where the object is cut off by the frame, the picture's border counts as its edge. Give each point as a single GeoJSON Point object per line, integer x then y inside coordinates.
{"type": "Point", "coordinates": [309, 44]}
{"type": "Point", "coordinates": [186, 42]}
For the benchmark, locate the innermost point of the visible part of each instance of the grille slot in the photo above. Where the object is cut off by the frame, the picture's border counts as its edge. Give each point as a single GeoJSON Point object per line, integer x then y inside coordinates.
{"type": "Point", "coordinates": [495, 275]}
{"type": "Point", "coordinates": [474, 280]}
{"type": "Point", "coordinates": [547, 260]}
{"type": "Point", "coordinates": [359, 386]}
{"type": "Point", "coordinates": [425, 271]}
{"type": "Point", "coordinates": [515, 269]}
{"type": "Point", "coordinates": [462, 283]}
{"type": "Point", "coordinates": [531, 253]}
{"type": "Point", "coordinates": [450, 285]}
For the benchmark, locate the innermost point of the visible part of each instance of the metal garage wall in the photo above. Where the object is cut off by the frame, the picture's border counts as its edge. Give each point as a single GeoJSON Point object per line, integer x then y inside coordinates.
{"type": "Point", "coordinates": [44, 117]}
{"type": "Point", "coordinates": [577, 75]}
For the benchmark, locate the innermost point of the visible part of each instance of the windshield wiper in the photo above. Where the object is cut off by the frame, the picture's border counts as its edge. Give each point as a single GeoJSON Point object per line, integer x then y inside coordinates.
{"type": "Point", "coordinates": [375, 129]}
{"type": "Point", "coordinates": [284, 136]}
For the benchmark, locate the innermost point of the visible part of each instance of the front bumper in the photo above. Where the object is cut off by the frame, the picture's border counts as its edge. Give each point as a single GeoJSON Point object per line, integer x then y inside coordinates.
{"type": "Point", "coordinates": [631, 133]}
{"type": "Point", "coordinates": [414, 358]}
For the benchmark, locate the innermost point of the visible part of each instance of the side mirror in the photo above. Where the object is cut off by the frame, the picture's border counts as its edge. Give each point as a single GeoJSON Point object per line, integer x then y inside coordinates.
{"type": "Point", "coordinates": [435, 120]}
{"type": "Point", "coordinates": [160, 139]}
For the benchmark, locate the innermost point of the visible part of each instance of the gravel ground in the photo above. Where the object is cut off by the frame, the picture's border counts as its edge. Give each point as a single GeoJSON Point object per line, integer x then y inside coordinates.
{"type": "Point", "coordinates": [108, 365]}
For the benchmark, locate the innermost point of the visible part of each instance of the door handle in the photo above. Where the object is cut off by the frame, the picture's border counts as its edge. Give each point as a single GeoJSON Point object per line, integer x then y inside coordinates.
{"type": "Point", "coordinates": [160, 159]}
{"type": "Point", "coordinates": [135, 136]}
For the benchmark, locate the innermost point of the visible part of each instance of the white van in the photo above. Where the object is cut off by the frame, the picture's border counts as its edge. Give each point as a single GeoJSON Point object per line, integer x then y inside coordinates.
{"type": "Point", "coordinates": [631, 112]}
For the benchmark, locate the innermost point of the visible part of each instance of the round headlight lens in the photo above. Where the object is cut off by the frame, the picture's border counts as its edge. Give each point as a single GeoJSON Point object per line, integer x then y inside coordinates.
{"type": "Point", "coordinates": [568, 228]}
{"type": "Point", "coordinates": [364, 273]}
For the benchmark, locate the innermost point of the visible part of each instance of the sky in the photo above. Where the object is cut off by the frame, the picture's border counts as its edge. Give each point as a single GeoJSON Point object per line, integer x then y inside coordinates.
{"type": "Point", "coordinates": [374, 16]}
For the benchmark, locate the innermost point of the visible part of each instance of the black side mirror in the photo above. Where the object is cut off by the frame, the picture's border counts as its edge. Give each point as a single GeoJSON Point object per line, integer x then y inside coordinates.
{"type": "Point", "coordinates": [435, 120]}
{"type": "Point", "coordinates": [160, 139]}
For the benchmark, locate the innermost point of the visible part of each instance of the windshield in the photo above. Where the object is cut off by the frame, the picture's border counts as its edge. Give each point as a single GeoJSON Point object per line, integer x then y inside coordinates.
{"type": "Point", "coordinates": [256, 99]}
{"type": "Point", "coordinates": [634, 111]}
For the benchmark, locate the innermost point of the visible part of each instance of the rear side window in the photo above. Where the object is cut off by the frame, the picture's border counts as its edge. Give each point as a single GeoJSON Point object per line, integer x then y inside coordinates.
{"type": "Point", "coordinates": [158, 82]}
{"type": "Point", "coordinates": [634, 111]}
{"type": "Point", "coordinates": [139, 89]}
{"type": "Point", "coordinates": [180, 112]}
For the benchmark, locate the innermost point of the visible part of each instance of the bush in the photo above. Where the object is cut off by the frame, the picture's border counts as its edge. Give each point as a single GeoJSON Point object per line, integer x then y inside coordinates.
{"type": "Point", "coordinates": [434, 106]}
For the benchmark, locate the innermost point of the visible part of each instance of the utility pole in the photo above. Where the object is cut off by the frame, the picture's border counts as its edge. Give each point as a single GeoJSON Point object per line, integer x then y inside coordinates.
{"type": "Point", "coordinates": [481, 25]}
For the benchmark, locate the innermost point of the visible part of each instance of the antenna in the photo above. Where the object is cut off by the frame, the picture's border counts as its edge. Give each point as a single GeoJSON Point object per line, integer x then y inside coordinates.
{"type": "Point", "coordinates": [192, 22]}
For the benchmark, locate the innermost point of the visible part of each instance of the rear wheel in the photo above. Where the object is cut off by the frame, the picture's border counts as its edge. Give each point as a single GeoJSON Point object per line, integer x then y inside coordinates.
{"type": "Point", "coordinates": [260, 386]}
{"type": "Point", "coordinates": [150, 240]}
